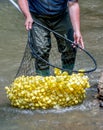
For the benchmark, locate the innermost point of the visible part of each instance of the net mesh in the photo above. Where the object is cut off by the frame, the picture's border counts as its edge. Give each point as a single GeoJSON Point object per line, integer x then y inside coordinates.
{"type": "Point", "coordinates": [27, 66]}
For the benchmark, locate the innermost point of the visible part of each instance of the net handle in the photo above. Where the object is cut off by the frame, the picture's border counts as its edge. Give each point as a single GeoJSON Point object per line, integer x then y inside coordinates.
{"type": "Point", "coordinates": [72, 43]}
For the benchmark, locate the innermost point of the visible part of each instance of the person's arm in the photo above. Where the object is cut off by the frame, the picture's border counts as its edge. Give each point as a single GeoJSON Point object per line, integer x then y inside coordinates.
{"type": "Point", "coordinates": [74, 11]}
{"type": "Point", "coordinates": [23, 4]}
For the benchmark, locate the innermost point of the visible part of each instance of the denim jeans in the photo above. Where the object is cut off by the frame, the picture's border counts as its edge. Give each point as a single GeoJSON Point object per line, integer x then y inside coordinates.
{"type": "Point", "coordinates": [42, 41]}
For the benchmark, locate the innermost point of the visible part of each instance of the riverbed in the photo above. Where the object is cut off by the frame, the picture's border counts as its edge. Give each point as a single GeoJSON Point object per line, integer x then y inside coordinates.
{"type": "Point", "coordinates": [13, 38]}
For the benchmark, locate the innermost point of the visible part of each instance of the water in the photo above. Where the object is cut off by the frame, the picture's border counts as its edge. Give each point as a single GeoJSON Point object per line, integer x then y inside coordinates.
{"type": "Point", "coordinates": [13, 38]}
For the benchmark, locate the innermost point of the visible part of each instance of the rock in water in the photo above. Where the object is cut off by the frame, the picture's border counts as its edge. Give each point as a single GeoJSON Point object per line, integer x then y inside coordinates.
{"type": "Point", "coordinates": [100, 90]}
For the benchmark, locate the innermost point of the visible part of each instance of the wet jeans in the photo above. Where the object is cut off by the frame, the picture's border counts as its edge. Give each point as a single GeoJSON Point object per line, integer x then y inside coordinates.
{"type": "Point", "coordinates": [42, 41]}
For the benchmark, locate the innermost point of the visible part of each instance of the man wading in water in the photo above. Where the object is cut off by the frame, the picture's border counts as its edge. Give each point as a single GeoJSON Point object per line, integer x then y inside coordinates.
{"type": "Point", "coordinates": [54, 15]}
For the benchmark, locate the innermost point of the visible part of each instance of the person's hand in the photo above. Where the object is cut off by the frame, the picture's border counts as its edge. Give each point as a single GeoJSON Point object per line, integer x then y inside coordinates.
{"type": "Point", "coordinates": [28, 23]}
{"type": "Point", "coordinates": [78, 39]}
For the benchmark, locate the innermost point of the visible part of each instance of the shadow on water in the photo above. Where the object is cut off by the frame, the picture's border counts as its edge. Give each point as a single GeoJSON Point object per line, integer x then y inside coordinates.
{"type": "Point", "coordinates": [86, 116]}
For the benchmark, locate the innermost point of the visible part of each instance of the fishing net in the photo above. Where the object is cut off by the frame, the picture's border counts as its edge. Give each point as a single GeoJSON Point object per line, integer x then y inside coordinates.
{"type": "Point", "coordinates": [60, 89]}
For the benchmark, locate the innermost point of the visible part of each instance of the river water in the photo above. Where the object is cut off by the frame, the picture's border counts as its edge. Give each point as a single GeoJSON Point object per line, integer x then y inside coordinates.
{"type": "Point", "coordinates": [13, 37]}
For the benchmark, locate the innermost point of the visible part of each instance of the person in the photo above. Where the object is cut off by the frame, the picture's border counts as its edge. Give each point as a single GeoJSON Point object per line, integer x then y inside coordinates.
{"type": "Point", "coordinates": [62, 16]}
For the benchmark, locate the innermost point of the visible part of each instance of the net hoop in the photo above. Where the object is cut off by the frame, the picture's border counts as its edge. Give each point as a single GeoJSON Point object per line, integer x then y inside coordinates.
{"type": "Point", "coordinates": [69, 41]}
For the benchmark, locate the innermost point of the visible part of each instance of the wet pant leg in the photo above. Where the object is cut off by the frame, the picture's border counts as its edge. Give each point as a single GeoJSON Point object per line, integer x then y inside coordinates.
{"type": "Point", "coordinates": [42, 45]}
{"type": "Point", "coordinates": [68, 53]}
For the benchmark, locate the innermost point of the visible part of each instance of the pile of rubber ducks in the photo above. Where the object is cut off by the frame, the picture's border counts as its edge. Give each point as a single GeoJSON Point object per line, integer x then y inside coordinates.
{"type": "Point", "coordinates": [38, 92]}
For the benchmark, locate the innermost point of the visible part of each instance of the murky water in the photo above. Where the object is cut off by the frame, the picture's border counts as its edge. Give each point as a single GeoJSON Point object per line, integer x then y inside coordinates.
{"type": "Point", "coordinates": [87, 116]}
